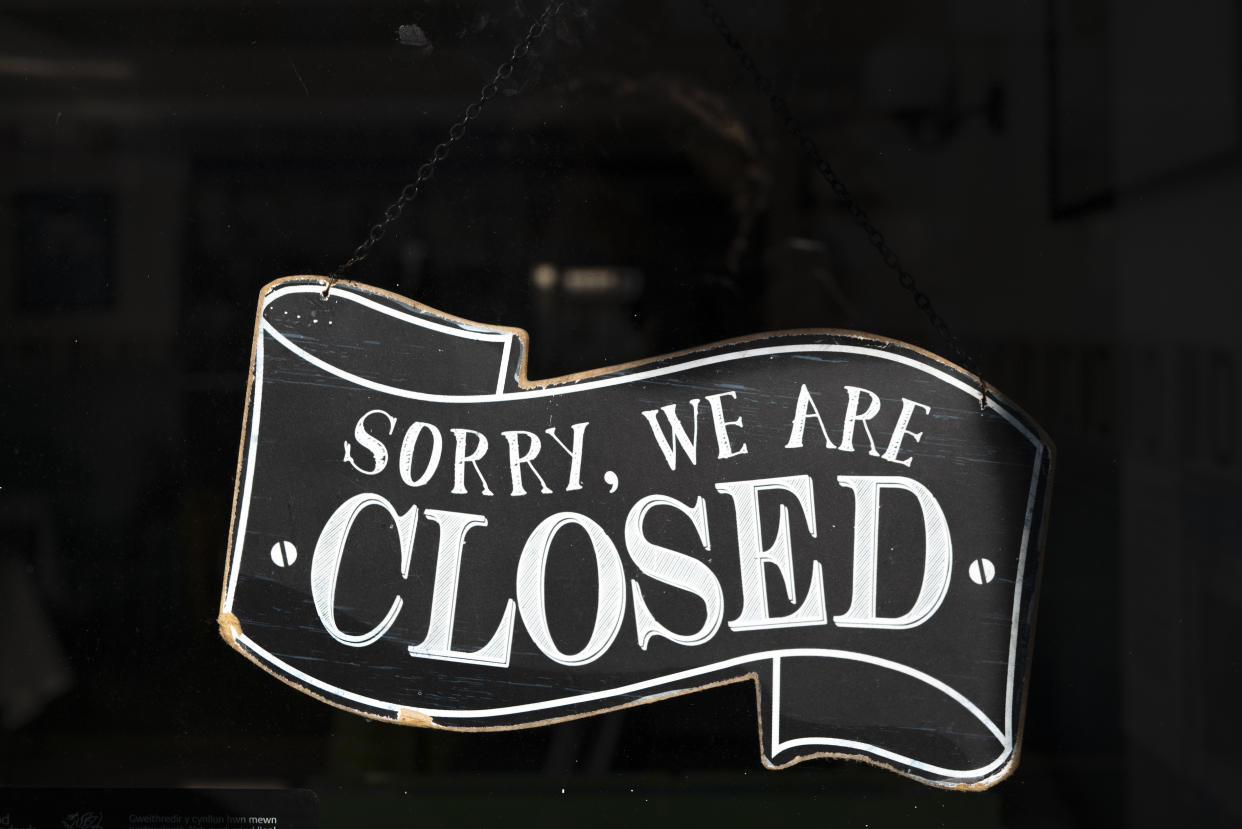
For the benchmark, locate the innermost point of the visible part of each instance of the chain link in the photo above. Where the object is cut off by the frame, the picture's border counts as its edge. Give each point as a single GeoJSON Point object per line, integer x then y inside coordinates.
{"type": "Point", "coordinates": [427, 171]}
{"type": "Point", "coordinates": [781, 109]}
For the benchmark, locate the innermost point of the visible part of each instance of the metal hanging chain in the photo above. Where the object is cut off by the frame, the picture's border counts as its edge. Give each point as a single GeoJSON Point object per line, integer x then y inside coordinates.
{"type": "Point", "coordinates": [427, 171]}
{"type": "Point", "coordinates": [781, 109]}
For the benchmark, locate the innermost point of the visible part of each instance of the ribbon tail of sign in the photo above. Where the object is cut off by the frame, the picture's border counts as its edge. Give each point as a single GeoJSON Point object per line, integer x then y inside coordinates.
{"type": "Point", "coordinates": [791, 696]}
{"type": "Point", "coordinates": [423, 535]}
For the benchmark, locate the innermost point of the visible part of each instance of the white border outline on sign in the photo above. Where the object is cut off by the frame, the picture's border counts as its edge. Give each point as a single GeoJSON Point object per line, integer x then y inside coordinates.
{"type": "Point", "coordinates": [470, 332]}
{"type": "Point", "coordinates": [251, 448]}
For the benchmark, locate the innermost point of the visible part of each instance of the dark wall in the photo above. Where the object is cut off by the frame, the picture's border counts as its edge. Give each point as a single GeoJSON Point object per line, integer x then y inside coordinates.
{"type": "Point", "coordinates": [1062, 177]}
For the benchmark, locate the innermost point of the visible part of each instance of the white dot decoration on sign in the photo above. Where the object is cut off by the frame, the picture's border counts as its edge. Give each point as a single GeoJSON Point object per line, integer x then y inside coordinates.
{"type": "Point", "coordinates": [982, 571]}
{"type": "Point", "coordinates": [284, 554]}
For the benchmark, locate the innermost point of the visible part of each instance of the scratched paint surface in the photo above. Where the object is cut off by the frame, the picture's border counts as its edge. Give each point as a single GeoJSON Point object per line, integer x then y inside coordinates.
{"type": "Point", "coordinates": [793, 456]}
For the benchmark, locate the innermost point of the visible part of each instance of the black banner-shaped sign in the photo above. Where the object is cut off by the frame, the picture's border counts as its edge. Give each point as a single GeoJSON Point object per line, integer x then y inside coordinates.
{"type": "Point", "coordinates": [421, 535]}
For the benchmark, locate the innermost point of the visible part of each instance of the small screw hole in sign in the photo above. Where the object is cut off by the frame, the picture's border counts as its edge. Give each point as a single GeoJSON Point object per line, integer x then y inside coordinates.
{"type": "Point", "coordinates": [405, 493]}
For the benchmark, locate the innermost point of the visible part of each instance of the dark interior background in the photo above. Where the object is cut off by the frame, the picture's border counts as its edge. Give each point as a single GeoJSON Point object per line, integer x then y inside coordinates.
{"type": "Point", "coordinates": [1062, 176]}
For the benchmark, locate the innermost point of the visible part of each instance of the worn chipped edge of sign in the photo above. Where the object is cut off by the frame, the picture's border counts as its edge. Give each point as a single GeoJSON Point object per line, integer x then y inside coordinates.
{"type": "Point", "coordinates": [230, 626]}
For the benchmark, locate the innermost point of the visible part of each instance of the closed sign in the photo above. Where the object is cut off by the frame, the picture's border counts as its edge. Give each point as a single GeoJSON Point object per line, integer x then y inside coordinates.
{"type": "Point", "coordinates": [423, 535]}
